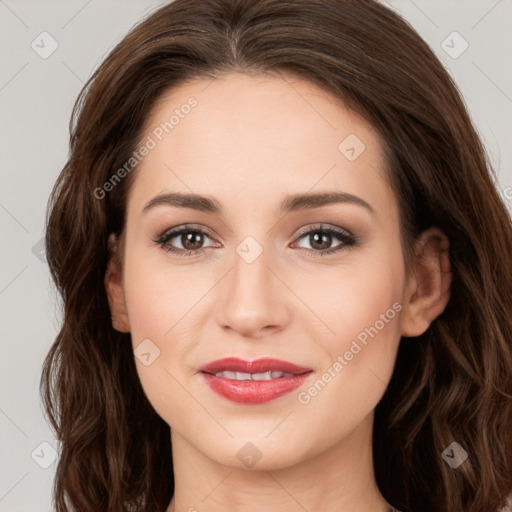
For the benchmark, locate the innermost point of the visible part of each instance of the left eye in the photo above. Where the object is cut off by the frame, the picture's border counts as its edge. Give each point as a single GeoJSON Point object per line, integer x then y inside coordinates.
{"type": "Point", "coordinates": [321, 239]}
{"type": "Point", "coordinates": [192, 240]}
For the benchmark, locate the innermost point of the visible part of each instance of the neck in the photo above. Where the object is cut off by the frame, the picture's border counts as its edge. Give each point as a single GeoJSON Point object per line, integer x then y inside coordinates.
{"type": "Point", "coordinates": [341, 478]}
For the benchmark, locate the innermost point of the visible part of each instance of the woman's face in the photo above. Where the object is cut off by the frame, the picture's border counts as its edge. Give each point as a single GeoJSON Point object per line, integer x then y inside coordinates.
{"type": "Point", "coordinates": [262, 276]}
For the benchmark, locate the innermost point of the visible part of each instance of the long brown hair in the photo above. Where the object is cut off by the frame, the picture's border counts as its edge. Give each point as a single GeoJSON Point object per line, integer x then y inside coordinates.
{"type": "Point", "coordinates": [452, 384]}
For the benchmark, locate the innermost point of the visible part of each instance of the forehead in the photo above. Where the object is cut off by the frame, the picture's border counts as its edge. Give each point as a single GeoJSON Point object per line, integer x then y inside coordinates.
{"type": "Point", "coordinates": [246, 139]}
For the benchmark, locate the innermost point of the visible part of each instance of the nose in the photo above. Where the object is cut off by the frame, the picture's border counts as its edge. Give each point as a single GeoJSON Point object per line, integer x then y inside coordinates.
{"type": "Point", "coordinates": [253, 299]}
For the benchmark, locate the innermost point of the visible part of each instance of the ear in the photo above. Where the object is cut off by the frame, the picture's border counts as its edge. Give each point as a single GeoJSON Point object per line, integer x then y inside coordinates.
{"type": "Point", "coordinates": [114, 287]}
{"type": "Point", "coordinates": [428, 288]}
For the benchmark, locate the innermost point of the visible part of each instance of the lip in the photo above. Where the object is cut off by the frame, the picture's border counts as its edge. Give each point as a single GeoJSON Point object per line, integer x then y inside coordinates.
{"type": "Point", "coordinates": [264, 364]}
{"type": "Point", "coordinates": [253, 391]}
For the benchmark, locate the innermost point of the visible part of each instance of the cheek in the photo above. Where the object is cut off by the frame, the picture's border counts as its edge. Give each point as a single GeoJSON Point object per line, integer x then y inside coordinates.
{"type": "Point", "coordinates": [363, 316]}
{"type": "Point", "coordinates": [158, 299]}
{"type": "Point", "coordinates": [361, 299]}
{"type": "Point", "coordinates": [159, 294]}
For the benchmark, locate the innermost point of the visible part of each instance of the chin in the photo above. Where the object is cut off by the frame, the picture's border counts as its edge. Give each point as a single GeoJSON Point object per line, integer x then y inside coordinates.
{"type": "Point", "coordinates": [257, 453]}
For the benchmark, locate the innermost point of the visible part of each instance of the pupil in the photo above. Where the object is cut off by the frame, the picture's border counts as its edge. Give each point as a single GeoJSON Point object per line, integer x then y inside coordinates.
{"type": "Point", "coordinates": [317, 240]}
{"type": "Point", "coordinates": [320, 240]}
{"type": "Point", "coordinates": [188, 241]}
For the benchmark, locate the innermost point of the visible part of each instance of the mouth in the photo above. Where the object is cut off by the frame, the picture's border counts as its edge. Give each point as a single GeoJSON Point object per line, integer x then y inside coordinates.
{"type": "Point", "coordinates": [253, 382]}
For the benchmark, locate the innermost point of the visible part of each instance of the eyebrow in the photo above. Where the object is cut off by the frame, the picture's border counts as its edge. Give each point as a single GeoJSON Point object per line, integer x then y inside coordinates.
{"type": "Point", "coordinates": [291, 203]}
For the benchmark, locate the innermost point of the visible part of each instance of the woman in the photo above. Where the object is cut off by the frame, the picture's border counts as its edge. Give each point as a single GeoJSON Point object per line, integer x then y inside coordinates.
{"type": "Point", "coordinates": [285, 272]}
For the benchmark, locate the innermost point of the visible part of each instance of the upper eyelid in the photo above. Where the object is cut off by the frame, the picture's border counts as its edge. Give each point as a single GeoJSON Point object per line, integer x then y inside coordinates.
{"type": "Point", "coordinates": [302, 231]}
{"type": "Point", "coordinates": [324, 227]}
{"type": "Point", "coordinates": [186, 227]}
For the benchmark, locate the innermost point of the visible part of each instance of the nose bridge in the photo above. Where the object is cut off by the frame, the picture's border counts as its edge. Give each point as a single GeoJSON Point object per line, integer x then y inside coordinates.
{"type": "Point", "coordinates": [252, 296]}
{"type": "Point", "coordinates": [251, 275]}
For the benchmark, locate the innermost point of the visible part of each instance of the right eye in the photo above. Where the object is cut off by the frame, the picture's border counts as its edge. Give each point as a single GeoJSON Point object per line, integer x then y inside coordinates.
{"type": "Point", "coordinates": [190, 238]}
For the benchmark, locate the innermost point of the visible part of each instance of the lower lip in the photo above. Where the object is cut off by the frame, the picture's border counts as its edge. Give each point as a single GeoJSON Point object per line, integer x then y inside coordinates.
{"type": "Point", "coordinates": [254, 391]}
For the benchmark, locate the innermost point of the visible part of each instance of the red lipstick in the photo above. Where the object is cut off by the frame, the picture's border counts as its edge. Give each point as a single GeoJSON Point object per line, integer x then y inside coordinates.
{"type": "Point", "coordinates": [253, 382]}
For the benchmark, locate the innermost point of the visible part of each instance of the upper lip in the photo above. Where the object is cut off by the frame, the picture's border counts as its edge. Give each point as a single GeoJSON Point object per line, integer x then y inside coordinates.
{"type": "Point", "coordinates": [258, 366]}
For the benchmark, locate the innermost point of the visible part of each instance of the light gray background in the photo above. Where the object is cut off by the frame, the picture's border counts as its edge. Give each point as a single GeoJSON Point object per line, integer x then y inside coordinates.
{"type": "Point", "coordinates": [36, 97]}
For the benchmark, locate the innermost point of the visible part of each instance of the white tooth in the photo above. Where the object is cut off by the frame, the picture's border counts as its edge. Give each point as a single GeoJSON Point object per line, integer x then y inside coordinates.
{"type": "Point", "coordinates": [252, 376]}
{"type": "Point", "coordinates": [242, 376]}
{"type": "Point", "coordinates": [262, 376]}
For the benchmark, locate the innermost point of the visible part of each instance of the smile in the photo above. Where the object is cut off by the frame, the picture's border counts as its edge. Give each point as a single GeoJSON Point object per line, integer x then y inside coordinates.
{"type": "Point", "coordinates": [253, 382]}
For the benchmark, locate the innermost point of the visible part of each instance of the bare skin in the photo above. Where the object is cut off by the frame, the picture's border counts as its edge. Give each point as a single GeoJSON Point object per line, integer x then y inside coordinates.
{"type": "Point", "coordinates": [249, 143]}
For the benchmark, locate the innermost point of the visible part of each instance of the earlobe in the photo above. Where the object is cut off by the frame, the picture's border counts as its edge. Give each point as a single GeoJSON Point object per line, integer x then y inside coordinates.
{"type": "Point", "coordinates": [429, 287]}
{"type": "Point", "coordinates": [114, 287]}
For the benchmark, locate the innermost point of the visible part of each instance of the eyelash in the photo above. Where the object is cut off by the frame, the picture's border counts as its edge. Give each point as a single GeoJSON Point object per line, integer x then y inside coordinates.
{"type": "Point", "coordinates": [348, 240]}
